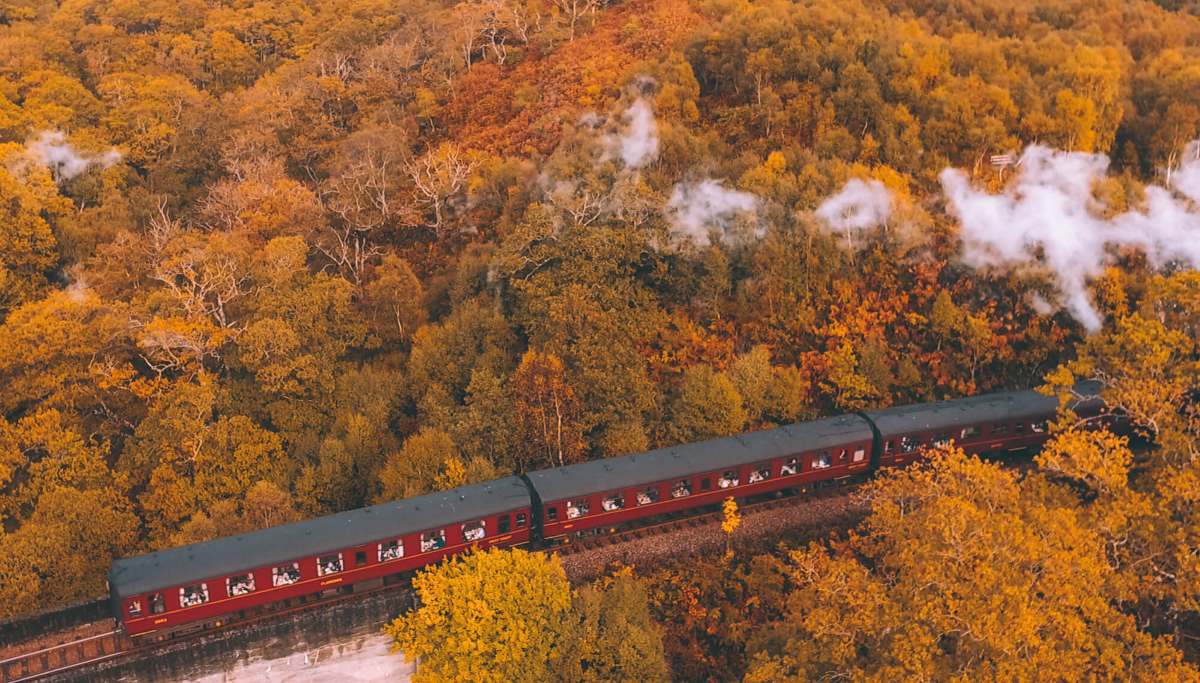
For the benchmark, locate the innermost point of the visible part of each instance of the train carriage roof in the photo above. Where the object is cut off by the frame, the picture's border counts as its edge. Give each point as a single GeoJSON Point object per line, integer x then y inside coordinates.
{"type": "Point", "coordinates": [276, 545]}
{"type": "Point", "coordinates": [685, 460]}
{"type": "Point", "coordinates": [975, 410]}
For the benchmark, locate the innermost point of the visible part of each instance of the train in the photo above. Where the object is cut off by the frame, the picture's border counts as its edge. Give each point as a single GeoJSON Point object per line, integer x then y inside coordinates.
{"type": "Point", "coordinates": [205, 585]}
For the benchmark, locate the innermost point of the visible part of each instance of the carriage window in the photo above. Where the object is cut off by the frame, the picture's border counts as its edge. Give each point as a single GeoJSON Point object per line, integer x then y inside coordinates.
{"type": "Point", "coordinates": [842, 455]}
{"type": "Point", "coordinates": [135, 608]}
{"type": "Point", "coordinates": [360, 558]}
{"type": "Point", "coordinates": [433, 540]}
{"type": "Point", "coordinates": [239, 585]}
{"type": "Point", "coordinates": [908, 444]}
{"type": "Point", "coordinates": [759, 473]}
{"type": "Point", "coordinates": [647, 496]}
{"type": "Point", "coordinates": [728, 479]}
{"type": "Point", "coordinates": [190, 596]}
{"type": "Point", "coordinates": [285, 574]}
{"type": "Point", "coordinates": [1039, 427]}
{"type": "Point", "coordinates": [1019, 428]}
{"type": "Point", "coordinates": [681, 489]}
{"type": "Point", "coordinates": [792, 466]}
{"type": "Point", "coordinates": [941, 440]}
{"type": "Point", "coordinates": [821, 460]}
{"type": "Point", "coordinates": [860, 455]}
{"type": "Point", "coordinates": [474, 531]}
{"type": "Point", "coordinates": [969, 432]}
{"type": "Point", "coordinates": [392, 550]}
{"type": "Point", "coordinates": [503, 524]}
{"type": "Point", "coordinates": [157, 604]}
{"type": "Point", "coordinates": [329, 564]}
{"type": "Point", "coordinates": [577, 508]}
{"type": "Point", "coordinates": [520, 520]}
{"type": "Point", "coordinates": [614, 501]}
{"type": "Point", "coordinates": [552, 514]}
{"type": "Point", "coordinates": [705, 484]}
{"type": "Point", "coordinates": [999, 429]}
{"type": "Point", "coordinates": [889, 446]}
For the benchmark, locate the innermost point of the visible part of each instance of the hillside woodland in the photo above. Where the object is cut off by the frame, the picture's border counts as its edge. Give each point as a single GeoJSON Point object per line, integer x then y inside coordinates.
{"type": "Point", "coordinates": [269, 259]}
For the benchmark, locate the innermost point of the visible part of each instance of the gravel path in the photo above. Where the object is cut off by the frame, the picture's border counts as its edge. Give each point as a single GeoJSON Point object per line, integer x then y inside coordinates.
{"type": "Point", "coordinates": [798, 523]}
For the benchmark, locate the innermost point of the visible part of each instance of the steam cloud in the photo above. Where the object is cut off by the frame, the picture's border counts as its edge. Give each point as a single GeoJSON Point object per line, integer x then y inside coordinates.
{"type": "Point", "coordinates": [696, 207]}
{"type": "Point", "coordinates": [637, 144]}
{"type": "Point", "coordinates": [1049, 216]}
{"type": "Point", "coordinates": [861, 204]}
{"type": "Point", "coordinates": [52, 149]}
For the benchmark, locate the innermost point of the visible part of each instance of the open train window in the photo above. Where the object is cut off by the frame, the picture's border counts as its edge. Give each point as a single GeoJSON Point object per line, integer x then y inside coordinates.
{"type": "Point", "coordinates": [613, 501]}
{"type": "Point", "coordinates": [705, 484]}
{"type": "Point", "coordinates": [503, 524]}
{"type": "Point", "coordinates": [999, 429]}
{"type": "Point", "coordinates": [433, 540]}
{"type": "Point", "coordinates": [968, 432]}
{"type": "Point", "coordinates": [860, 455]}
{"type": "Point", "coordinates": [135, 608]}
{"type": "Point", "coordinates": [474, 531]}
{"type": "Point", "coordinates": [821, 460]}
{"type": "Point", "coordinates": [552, 514]}
{"type": "Point", "coordinates": [760, 473]}
{"type": "Point", "coordinates": [329, 564]}
{"type": "Point", "coordinates": [941, 440]}
{"type": "Point", "coordinates": [842, 455]}
{"type": "Point", "coordinates": [196, 594]}
{"type": "Point", "coordinates": [908, 444]}
{"type": "Point", "coordinates": [1039, 427]}
{"type": "Point", "coordinates": [577, 508]}
{"type": "Point", "coordinates": [157, 604]}
{"type": "Point", "coordinates": [792, 466]}
{"type": "Point", "coordinates": [889, 446]}
{"type": "Point", "coordinates": [647, 496]}
{"type": "Point", "coordinates": [520, 520]}
{"type": "Point", "coordinates": [286, 574]}
{"type": "Point", "coordinates": [360, 558]}
{"type": "Point", "coordinates": [239, 585]}
{"type": "Point", "coordinates": [1019, 428]}
{"type": "Point", "coordinates": [729, 479]}
{"type": "Point", "coordinates": [391, 550]}
{"type": "Point", "coordinates": [681, 489]}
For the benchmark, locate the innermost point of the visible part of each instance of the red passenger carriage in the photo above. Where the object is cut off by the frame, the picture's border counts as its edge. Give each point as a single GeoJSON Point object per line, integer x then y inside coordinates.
{"type": "Point", "coordinates": [606, 493]}
{"type": "Point", "coordinates": [206, 582]}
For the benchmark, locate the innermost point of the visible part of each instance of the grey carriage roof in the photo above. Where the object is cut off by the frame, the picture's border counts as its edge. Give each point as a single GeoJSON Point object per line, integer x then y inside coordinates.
{"type": "Point", "coordinates": [706, 456]}
{"type": "Point", "coordinates": [226, 556]}
{"type": "Point", "coordinates": [998, 407]}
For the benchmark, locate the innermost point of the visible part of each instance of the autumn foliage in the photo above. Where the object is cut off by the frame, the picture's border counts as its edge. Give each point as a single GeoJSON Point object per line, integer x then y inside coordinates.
{"type": "Point", "coordinates": [268, 260]}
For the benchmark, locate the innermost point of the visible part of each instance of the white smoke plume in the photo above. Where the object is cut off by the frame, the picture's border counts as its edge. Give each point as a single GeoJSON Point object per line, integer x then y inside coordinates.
{"type": "Point", "coordinates": [52, 149]}
{"type": "Point", "coordinates": [697, 207]}
{"type": "Point", "coordinates": [637, 143]}
{"type": "Point", "coordinates": [861, 204]}
{"type": "Point", "coordinates": [1049, 215]}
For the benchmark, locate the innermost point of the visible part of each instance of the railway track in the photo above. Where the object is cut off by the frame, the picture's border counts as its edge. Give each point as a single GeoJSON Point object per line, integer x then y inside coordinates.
{"type": "Point", "coordinates": [685, 521]}
{"type": "Point", "coordinates": [76, 654]}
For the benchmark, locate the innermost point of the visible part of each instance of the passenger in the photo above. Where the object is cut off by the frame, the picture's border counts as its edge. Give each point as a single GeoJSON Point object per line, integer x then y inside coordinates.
{"type": "Point", "coordinates": [439, 542]}
{"type": "Point", "coordinates": [474, 534]}
{"type": "Point", "coordinates": [643, 498]}
{"type": "Point", "coordinates": [755, 477]}
{"type": "Point", "coordinates": [572, 511]}
{"type": "Point", "coordinates": [788, 467]}
{"type": "Point", "coordinates": [157, 605]}
{"type": "Point", "coordinates": [681, 489]}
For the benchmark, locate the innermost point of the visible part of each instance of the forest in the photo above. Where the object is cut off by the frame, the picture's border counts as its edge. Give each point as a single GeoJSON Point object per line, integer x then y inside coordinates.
{"type": "Point", "coordinates": [262, 260]}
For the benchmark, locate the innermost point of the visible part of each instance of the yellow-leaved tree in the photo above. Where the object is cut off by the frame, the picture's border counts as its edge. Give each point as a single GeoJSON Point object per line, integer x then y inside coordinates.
{"type": "Point", "coordinates": [962, 571]}
{"type": "Point", "coordinates": [510, 615]}
{"type": "Point", "coordinates": [492, 616]}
